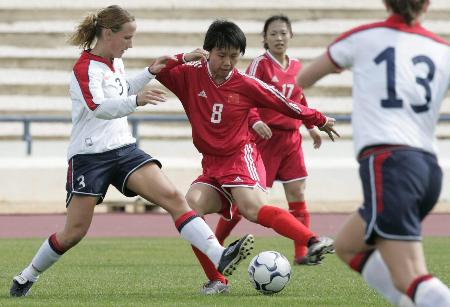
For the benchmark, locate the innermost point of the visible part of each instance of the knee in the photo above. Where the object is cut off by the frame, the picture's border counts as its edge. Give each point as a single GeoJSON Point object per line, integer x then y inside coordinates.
{"type": "Point", "coordinates": [173, 196]}
{"type": "Point", "coordinates": [70, 237]}
{"type": "Point", "coordinates": [194, 204]}
{"type": "Point", "coordinates": [342, 251]}
{"type": "Point", "coordinates": [250, 212]}
{"type": "Point", "coordinates": [296, 194]}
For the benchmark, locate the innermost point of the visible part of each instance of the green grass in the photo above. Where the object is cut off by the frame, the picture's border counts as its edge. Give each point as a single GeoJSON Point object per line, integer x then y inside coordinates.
{"type": "Point", "coordinates": [164, 272]}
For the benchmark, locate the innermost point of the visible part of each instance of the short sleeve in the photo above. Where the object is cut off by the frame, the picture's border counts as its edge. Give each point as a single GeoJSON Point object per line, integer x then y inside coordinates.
{"type": "Point", "coordinates": [341, 52]}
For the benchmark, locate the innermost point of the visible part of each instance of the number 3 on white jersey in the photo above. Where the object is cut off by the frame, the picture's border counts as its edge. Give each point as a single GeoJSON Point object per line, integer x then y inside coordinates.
{"type": "Point", "coordinates": [216, 116]}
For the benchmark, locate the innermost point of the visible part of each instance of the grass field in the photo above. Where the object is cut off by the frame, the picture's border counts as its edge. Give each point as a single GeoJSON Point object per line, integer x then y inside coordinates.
{"type": "Point", "coordinates": [163, 272]}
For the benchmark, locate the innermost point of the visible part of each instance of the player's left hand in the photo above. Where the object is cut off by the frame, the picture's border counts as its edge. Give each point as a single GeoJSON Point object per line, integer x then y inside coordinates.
{"type": "Point", "coordinates": [263, 130]}
{"type": "Point", "coordinates": [328, 128]}
{"type": "Point", "coordinates": [317, 139]}
{"type": "Point", "coordinates": [160, 63]}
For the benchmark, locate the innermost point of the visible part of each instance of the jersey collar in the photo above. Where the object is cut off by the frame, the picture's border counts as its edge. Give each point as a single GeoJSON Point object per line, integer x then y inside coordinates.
{"type": "Point", "coordinates": [272, 57]}
{"type": "Point", "coordinates": [212, 79]}
{"type": "Point", "coordinates": [398, 21]}
{"type": "Point", "coordinates": [97, 58]}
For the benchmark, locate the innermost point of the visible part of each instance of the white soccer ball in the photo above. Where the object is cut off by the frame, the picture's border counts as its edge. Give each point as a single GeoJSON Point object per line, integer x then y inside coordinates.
{"type": "Point", "coordinates": [269, 272]}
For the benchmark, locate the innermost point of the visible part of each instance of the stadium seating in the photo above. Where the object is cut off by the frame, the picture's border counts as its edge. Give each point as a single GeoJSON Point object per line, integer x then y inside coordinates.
{"type": "Point", "coordinates": [35, 64]}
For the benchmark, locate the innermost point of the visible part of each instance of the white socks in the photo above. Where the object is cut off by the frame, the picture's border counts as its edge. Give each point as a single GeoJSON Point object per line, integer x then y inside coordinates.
{"type": "Point", "coordinates": [198, 233]}
{"type": "Point", "coordinates": [432, 293]}
{"type": "Point", "coordinates": [376, 274]}
{"type": "Point", "coordinates": [44, 258]}
{"type": "Point", "coordinates": [429, 293]}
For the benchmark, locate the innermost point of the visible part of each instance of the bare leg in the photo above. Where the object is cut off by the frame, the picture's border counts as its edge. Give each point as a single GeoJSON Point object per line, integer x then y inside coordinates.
{"type": "Point", "coordinates": [295, 190]}
{"type": "Point", "coordinates": [78, 220]}
{"type": "Point", "coordinates": [350, 238]}
{"type": "Point", "coordinates": [405, 260]}
{"type": "Point", "coordinates": [352, 250]}
{"type": "Point", "coordinates": [150, 182]}
{"type": "Point", "coordinates": [79, 217]}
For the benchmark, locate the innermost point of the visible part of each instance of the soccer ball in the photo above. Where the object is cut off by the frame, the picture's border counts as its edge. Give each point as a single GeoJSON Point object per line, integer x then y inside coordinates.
{"type": "Point", "coordinates": [269, 272]}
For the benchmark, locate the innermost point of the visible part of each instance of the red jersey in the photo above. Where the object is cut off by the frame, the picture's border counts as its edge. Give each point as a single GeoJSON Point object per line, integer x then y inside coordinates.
{"type": "Point", "coordinates": [266, 68]}
{"type": "Point", "coordinates": [218, 113]}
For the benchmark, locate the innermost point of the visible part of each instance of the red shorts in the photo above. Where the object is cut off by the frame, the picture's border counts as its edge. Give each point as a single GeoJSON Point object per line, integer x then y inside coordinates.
{"type": "Point", "coordinates": [283, 156]}
{"type": "Point", "coordinates": [243, 169]}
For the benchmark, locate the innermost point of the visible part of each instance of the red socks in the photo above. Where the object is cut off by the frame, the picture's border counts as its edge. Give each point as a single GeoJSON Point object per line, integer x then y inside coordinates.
{"type": "Point", "coordinates": [208, 267]}
{"type": "Point", "coordinates": [284, 223]}
{"type": "Point", "coordinates": [225, 227]}
{"type": "Point", "coordinates": [298, 209]}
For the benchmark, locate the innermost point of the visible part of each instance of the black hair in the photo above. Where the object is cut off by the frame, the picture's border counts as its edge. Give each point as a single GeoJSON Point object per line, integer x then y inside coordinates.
{"type": "Point", "coordinates": [409, 9]}
{"type": "Point", "coordinates": [273, 18]}
{"type": "Point", "coordinates": [224, 34]}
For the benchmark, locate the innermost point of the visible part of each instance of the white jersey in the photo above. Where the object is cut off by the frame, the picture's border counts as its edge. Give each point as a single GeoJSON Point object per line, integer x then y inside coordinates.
{"type": "Point", "coordinates": [101, 99]}
{"type": "Point", "coordinates": [401, 76]}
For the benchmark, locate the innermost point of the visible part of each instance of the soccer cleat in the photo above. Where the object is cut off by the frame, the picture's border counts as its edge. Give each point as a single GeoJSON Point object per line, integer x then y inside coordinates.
{"type": "Point", "coordinates": [306, 261]}
{"type": "Point", "coordinates": [215, 287]}
{"type": "Point", "coordinates": [235, 253]}
{"type": "Point", "coordinates": [20, 286]}
{"type": "Point", "coordinates": [320, 246]}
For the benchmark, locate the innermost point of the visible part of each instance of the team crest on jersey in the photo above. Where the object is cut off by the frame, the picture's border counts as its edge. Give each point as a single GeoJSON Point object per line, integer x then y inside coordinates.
{"type": "Point", "coordinates": [233, 98]}
{"type": "Point", "coordinates": [275, 79]}
{"type": "Point", "coordinates": [202, 94]}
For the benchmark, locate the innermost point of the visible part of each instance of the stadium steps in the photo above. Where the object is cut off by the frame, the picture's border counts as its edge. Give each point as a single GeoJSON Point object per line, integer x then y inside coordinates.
{"type": "Point", "coordinates": [198, 9]}
{"type": "Point", "coordinates": [36, 82]}
{"type": "Point", "coordinates": [136, 58]}
{"type": "Point", "coordinates": [35, 62]}
{"type": "Point", "coordinates": [182, 32]}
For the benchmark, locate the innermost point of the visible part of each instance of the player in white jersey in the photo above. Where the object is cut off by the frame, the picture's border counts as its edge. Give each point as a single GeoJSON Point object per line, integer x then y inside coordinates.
{"type": "Point", "coordinates": [103, 152]}
{"type": "Point", "coordinates": [401, 74]}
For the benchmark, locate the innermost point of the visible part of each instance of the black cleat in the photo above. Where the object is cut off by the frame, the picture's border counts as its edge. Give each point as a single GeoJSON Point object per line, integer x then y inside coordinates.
{"type": "Point", "coordinates": [20, 286]}
{"type": "Point", "coordinates": [235, 253]}
{"type": "Point", "coordinates": [320, 247]}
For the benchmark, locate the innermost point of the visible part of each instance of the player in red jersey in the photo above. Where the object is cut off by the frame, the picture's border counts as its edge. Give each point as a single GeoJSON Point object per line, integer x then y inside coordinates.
{"type": "Point", "coordinates": [277, 136]}
{"type": "Point", "coordinates": [217, 99]}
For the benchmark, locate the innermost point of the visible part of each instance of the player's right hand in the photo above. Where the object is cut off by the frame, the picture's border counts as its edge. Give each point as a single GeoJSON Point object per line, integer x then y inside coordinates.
{"type": "Point", "coordinates": [328, 128]}
{"type": "Point", "coordinates": [196, 55]}
{"type": "Point", "coordinates": [160, 63]}
{"type": "Point", "coordinates": [154, 97]}
{"type": "Point", "coordinates": [263, 130]}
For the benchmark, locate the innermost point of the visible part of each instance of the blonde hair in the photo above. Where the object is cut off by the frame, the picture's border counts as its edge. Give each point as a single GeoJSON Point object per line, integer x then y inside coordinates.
{"type": "Point", "coordinates": [90, 28]}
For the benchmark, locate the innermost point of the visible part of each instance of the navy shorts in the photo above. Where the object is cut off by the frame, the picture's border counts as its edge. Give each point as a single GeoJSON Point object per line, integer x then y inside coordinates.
{"type": "Point", "coordinates": [401, 186]}
{"type": "Point", "coordinates": [91, 174]}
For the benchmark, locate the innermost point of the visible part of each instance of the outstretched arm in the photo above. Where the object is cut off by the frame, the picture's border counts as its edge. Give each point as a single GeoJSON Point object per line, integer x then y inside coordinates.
{"type": "Point", "coordinates": [266, 96]}
{"type": "Point", "coordinates": [320, 67]}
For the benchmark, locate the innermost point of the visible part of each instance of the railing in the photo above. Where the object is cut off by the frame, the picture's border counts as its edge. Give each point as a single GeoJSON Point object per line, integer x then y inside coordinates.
{"type": "Point", "coordinates": [134, 121]}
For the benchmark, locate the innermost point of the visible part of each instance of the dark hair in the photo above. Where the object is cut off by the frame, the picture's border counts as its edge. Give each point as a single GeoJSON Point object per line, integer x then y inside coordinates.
{"type": "Point", "coordinates": [282, 18]}
{"type": "Point", "coordinates": [409, 9]}
{"type": "Point", "coordinates": [224, 34]}
{"type": "Point", "coordinates": [111, 17]}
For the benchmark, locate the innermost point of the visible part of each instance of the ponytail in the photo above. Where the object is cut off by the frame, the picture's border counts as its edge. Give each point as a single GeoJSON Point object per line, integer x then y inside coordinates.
{"type": "Point", "coordinates": [409, 9]}
{"type": "Point", "coordinates": [111, 17]}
